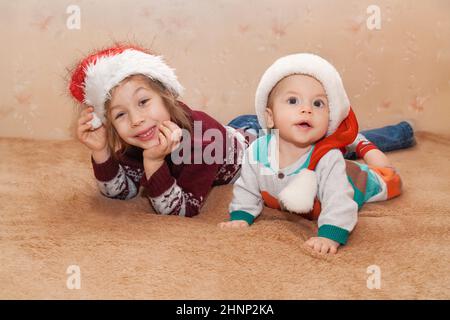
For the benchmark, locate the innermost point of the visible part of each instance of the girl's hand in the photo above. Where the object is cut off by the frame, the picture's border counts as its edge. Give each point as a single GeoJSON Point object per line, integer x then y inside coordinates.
{"type": "Point", "coordinates": [322, 245]}
{"type": "Point", "coordinates": [169, 139]}
{"type": "Point", "coordinates": [235, 224]}
{"type": "Point", "coordinates": [95, 140]}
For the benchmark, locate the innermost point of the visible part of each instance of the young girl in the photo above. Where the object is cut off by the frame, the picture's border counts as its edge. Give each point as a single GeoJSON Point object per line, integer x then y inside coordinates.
{"type": "Point", "coordinates": [134, 125]}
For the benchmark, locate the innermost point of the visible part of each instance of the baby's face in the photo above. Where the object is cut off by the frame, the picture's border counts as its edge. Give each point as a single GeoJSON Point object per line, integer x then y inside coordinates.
{"type": "Point", "coordinates": [136, 111]}
{"type": "Point", "coordinates": [299, 109]}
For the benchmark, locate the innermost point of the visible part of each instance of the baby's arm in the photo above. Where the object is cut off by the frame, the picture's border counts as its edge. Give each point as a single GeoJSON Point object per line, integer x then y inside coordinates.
{"type": "Point", "coordinates": [247, 202]}
{"type": "Point", "coordinates": [339, 211]}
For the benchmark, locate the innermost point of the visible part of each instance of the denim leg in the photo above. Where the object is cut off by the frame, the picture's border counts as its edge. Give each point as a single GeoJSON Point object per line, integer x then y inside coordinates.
{"type": "Point", "coordinates": [394, 137]}
{"type": "Point", "coordinates": [248, 123]}
{"type": "Point", "coordinates": [389, 138]}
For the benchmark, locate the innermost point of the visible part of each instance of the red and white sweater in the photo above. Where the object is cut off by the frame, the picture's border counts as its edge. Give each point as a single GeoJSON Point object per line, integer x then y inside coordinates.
{"type": "Point", "coordinates": [178, 189]}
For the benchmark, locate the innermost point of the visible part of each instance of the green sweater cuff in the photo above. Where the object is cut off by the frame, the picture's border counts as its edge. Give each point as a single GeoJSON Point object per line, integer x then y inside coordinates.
{"type": "Point", "coordinates": [334, 233]}
{"type": "Point", "coordinates": [242, 215]}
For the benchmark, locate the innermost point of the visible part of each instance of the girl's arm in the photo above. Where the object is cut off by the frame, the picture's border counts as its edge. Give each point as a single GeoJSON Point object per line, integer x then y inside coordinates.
{"type": "Point", "coordinates": [114, 180]}
{"type": "Point", "coordinates": [117, 179]}
{"type": "Point", "coordinates": [183, 196]}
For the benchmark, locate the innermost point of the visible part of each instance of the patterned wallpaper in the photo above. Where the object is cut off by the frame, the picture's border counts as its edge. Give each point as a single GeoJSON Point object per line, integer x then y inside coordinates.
{"type": "Point", "coordinates": [394, 56]}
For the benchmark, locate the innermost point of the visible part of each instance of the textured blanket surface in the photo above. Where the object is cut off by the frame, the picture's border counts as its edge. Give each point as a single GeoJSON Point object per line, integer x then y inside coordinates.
{"type": "Point", "coordinates": [52, 216]}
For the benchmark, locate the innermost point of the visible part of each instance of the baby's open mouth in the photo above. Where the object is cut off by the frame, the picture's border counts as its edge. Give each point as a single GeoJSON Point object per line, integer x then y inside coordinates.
{"type": "Point", "coordinates": [304, 125]}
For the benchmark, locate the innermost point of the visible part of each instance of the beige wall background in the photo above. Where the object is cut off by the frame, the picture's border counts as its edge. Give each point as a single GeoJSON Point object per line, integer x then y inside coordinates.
{"type": "Point", "coordinates": [221, 48]}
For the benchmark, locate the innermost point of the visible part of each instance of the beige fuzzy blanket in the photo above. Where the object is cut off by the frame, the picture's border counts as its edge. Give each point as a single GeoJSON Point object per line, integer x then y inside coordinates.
{"type": "Point", "coordinates": [52, 217]}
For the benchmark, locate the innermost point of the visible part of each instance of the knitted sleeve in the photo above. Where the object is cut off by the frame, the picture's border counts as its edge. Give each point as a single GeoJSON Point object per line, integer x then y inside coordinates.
{"type": "Point", "coordinates": [247, 202]}
{"type": "Point", "coordinates": [117, 180]}
{"type": "Point", "coordinates": [339, 211]}
{"type": "Point", "coordinates": [183, 196]}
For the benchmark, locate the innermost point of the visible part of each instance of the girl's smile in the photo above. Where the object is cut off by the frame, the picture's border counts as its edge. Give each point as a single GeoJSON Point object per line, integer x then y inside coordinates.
{"type": "Point", "coordinates": [147, 134]}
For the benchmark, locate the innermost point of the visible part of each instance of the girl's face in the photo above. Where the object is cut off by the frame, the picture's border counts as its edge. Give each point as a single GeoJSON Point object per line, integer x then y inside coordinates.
{"type": "Point", "coordinates": [299, 110]}
{"type": "Point", "coordinates": [136, 111]}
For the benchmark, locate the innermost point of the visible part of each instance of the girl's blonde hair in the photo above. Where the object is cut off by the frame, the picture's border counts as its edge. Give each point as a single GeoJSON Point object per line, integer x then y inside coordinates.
{"type": "Point", "coordinates": [177, 114]}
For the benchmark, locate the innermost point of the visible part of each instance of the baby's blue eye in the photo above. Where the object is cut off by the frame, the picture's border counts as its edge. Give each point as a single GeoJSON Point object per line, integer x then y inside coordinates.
{"type": "Point", "coordinates": [318, 103]}
{"type": "Point", "coordinates": [293, 100]}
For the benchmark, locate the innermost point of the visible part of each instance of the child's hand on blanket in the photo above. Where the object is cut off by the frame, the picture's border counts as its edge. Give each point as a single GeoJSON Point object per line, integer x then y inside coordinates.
{"type": "Point", "coordinates": [322, 245]}
{"type": "Point", "coordinates": [235, 224]}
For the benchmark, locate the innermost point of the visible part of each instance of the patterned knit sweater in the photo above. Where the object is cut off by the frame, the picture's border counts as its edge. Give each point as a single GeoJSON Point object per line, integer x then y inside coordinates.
{"type": "Point", "coordinates": [177, 189]}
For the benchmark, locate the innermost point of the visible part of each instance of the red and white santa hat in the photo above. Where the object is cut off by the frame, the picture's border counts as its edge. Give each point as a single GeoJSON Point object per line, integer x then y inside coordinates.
{"type": "Point", "coordinates": [98, 73]}
{"type": "Point", "coordinates": [299, 195]}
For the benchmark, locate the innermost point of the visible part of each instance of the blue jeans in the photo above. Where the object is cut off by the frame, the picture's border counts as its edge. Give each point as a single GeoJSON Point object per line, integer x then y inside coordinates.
{"type": "Point", "coordinates": [389, 138]}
